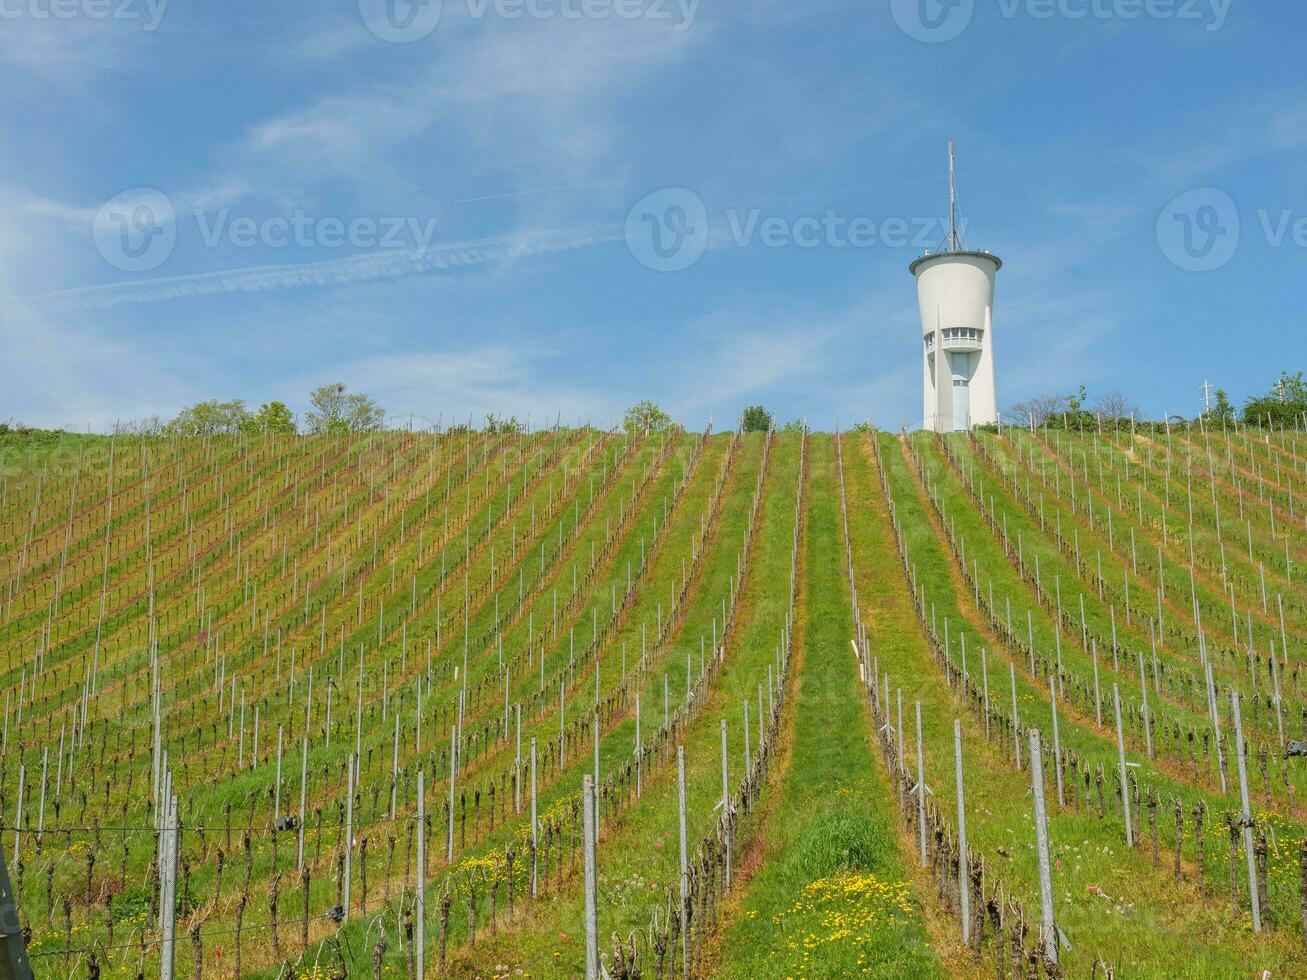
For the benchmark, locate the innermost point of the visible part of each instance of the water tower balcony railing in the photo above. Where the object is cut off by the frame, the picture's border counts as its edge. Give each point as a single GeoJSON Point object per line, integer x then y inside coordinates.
{"type": "Point", "coordinates": [958, 338]}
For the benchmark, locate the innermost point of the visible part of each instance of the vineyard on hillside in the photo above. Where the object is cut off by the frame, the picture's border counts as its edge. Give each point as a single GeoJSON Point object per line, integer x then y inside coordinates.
{"type": "Point", "coordinates": [355, 706]}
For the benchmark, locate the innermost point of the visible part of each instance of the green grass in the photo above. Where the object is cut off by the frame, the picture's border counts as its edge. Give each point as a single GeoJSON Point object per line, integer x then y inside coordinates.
{"type": "Point", "coordinates": [831, 897]}
{"type": "Point", "coordinates": [22, 450]}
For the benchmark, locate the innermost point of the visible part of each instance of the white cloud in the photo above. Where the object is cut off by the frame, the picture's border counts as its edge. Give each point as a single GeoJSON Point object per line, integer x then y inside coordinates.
{"type": "Point", "coordinates": [330, 39]}
{"type": "Point", "coordinates": [58, 374]}
{"type": "Point", "coordinates": [536, 94]}
{"type": "Point", "coordinates": [734, 358]}
{"type": "Point", "coordinates": [1247, 131]}
{"type": "Point", "coordinates": [752, 348]}
{"type": "Point", "coordinates": [74, 51]}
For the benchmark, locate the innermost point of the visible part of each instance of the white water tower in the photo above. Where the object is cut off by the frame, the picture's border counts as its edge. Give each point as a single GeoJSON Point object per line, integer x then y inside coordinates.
{"type": "Point", "coordinates": [955, 291]}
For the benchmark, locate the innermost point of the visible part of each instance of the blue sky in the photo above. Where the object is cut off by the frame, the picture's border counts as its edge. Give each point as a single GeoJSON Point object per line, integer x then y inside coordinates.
{"type": "Point", "coordinates": [247, 199]}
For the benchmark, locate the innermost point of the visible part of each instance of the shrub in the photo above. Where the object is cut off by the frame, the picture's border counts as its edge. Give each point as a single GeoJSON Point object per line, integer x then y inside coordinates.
{"type": "Point", "coordinates": [756, 419]}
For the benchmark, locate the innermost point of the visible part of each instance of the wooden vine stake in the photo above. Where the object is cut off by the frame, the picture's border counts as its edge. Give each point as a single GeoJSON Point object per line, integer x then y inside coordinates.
{"type": "Point", "coordinates": [685, 864]}
{"type": "Point", "coordinates": [349, 833]}
{"type": "Point", "coordinates": [1245, 815]}
{"type": "Point", "coordinates": [535, 827]}
{"type": "Point", "coordinates": [1120, 758]}
{"type": "Point", "coordinates": [420, 895]}
{"type": "Point", "coordinates": [921, 792]}
{"type": "Point", "coordinates": [964, 889]}
{"type": "Point", "coordinates": [591, 830]}
{"type": "Point", "coordinates": [1042, 846]}
{"type": "Point", "coordinates": [726, 804]}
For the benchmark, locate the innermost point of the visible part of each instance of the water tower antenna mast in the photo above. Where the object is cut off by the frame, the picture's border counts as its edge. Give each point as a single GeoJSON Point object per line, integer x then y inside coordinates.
{"type": "Point", "coordinates": [952, 202]}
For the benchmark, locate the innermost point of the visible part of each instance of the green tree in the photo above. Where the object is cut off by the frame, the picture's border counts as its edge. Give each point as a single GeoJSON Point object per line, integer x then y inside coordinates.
{"type": "Point", "coordinates": [644, 417]}
{"type": "Point", "coordinates": [756, 419]}
{"type": "Point", "coordinates": [793, 425]}
{"type": "Point", "coordinates": [1291, 388]}
{"type": "Point", "coordinates": [1222, 412]}
{"type": "Point", "coordinates": [209, 418]}
{"type": "Point", "coordinates": [336, 410]}
{"type": "Point", "coordinates": [1282, 406]}
{"type": "Point", "coordinates": [272, 418]}
{"type": "Point", "coordinates": [1269, 410]}
{"type": "Point", "coordinates": [1075, 415]}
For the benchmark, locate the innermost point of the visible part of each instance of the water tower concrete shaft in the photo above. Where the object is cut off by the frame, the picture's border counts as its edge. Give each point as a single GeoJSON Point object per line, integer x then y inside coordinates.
{"type": "Point", "coordinates": [955, 293]}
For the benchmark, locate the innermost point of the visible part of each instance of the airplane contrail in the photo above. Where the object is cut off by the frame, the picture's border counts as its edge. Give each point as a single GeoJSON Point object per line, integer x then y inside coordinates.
{"type": "Point", "coordinates": [354, 268]}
